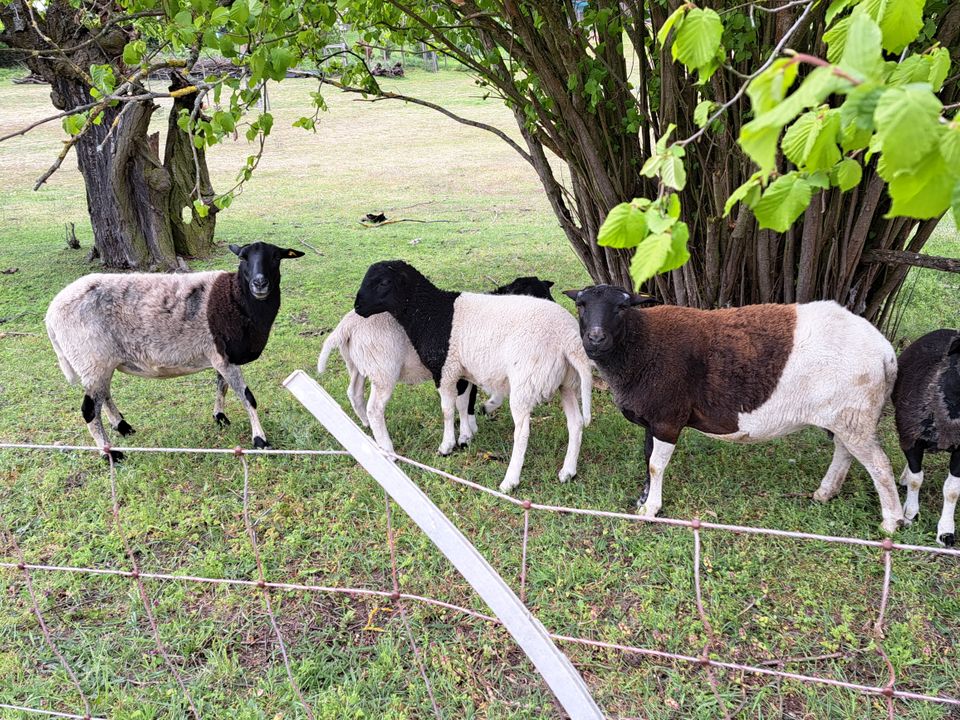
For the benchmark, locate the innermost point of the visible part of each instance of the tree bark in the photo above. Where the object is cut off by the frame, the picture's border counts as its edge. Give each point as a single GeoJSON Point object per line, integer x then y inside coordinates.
{"type": "Point", "coordinates": [134, 199]}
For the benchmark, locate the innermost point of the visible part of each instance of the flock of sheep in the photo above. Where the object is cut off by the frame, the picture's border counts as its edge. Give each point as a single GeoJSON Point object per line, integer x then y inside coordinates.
{"type": "Point", "coordinates": [738, 374]}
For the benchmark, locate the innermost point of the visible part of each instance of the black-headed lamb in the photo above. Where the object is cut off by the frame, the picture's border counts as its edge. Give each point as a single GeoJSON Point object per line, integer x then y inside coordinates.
{"type": "Point", "coordinates": [159, 326]}
{"type": "Point", "coordinates": [744, 374]}
{"type": "Point", "coordinates": [926, 400]}
{"type": "Point", "coordinates": [509, 344]}
{"type": "Point", "coordinates": [377, 348]}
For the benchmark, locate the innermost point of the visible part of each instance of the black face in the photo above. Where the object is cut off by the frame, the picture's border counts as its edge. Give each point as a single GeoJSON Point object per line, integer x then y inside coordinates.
{"type": "Point", "coordinates": [532, 286]}
{"type": "Point", "coordinates": [601, 311]}
{"type": "Point", "coordinates": [384, 289]}
{"type": "Point", "coordinates": [260, 266]}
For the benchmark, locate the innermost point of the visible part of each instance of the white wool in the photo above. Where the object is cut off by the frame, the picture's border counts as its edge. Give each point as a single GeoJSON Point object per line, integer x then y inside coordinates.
{"type": "Point", "coordinates": [147, 324]}
{"type": "Point", "coordinates": [525, 347]}
{"type": "Point", "coordinates": [378, 348]}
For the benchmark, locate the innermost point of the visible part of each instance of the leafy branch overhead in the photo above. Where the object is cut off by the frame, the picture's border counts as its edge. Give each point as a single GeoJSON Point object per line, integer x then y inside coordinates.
{"type": "Point", "coordinates": [817, 122]}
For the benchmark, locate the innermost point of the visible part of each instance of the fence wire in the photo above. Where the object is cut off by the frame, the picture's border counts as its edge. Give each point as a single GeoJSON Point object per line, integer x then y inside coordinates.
{"type": "Point", "coordinates": [887, 691]}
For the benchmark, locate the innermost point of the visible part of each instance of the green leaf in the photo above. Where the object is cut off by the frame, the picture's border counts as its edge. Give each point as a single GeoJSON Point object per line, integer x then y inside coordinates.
{"type": "Point", "coordinates": [783, 202]}
{"type": "Point", "coordinates": [698, 38]}
{"type": "Point", "coordinates": [901, 23]}
{"type": "Point", "coordinates": [914, 68]}
{"type": "Point", "coordinates": [955, 204]}
{"type": "Point", "coordinates": [836, 39]}
{"type": "Point", "coordinates": [703, 111]}
{"type": "Point", "coordinates": [650, 256]}
{"type": "Point", "coordinates": [184, 19]}
{"type": "Point", "coordinates": [651, 168]}
{"type": "Point", "coordinates": [759, 141]}
{"type": "Point", "coordinates": [672, 173]}
{"type": "Point", "coordinates": [846, 175]}
{"type": "Point", "coordinates": [624, 227]}
{"type": "Point", "coordinates": [837, 7]}
{"type": "Point", "coordinates": [939, 68]}
{"type": "Point", "coordinates": [814, 145]}
{"type": "Point", "coordinates": [72, 124]}
{"type": "Point", "coordinates": [861, 53]}
{"type": "Point", "coordinates": [200, 208]}
{"type": "Point", "coordinates": [749, 192]}
{"type": "Point", "coordinates": [907, 120]}
{"type": "Point", "coordinates": [925, 192]}
{"type": "Point", "coordinates": [950, 145]}
{"type": "Point", "coordinates": [659, 221]}
{"type": "Point", "coordinates": [679, 254]}
{"type": "Point", "coordinates": [133, 52]}
{"type": "Point", "coordinates": [675, 16]}
{"type": "Point", "coordinates": [770, 87]}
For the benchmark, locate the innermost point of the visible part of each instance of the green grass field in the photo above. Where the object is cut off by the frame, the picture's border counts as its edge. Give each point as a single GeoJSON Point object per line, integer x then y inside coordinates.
{"type": "Point", "coordinates": [321, 521]}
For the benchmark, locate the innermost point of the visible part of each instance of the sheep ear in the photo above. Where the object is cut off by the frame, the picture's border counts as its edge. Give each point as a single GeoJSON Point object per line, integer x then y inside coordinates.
{"type": "Point", "coordinates": [572, 294]}
{"type": "Point", "coordinates": [548, 283]}
{"type": "Point", "coordinates": [291, 253]}
{"type": "Point", "coordinates": [954, 348]}
{"type": "Point", "coordinates": [638, 300]}
{"type": "Point", "coordinates": [235, 249]}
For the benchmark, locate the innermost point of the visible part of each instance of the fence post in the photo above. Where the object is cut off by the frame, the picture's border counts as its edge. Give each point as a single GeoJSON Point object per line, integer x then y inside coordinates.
{"type": "Point", "coordinates": [560, 675]}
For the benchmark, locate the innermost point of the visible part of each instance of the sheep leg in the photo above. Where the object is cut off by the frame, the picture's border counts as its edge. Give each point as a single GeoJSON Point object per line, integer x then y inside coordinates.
{"type": "Point", "coordinates": [463, 410]}
{"type": "Point", "coordinates": [659, 456]}
{"type": "Point", "coordinates": [836, 473]}
{"type": "Point", "coordinates": [234, 377]}
{"type": "Point", "coordinates": [521, 434]}
{"type": "Point", "coordinates": [492, 404]}
{"type": "Point", "coordinates": [571, 408]}
{"type": "Point", "coordinates": [355, 394]}
{"type": "Point", "coordinates": [951, 491]}
{"type": "Point", "coordinates": [869, 453]}
{"type": "Point", "coordinates": [466, 401]}
{"type": "Point", "coordinates": [376, 406]}
{"type": "Point", "coordinates": [912, 478]}
{"type": "Point", "coordinates": [448, 401]}
{"type": "Point", "coordinates": [116, 417]}
{"type": "Point", "coordinates": [218, 415]}
{"type": "Point", "coordinates": [91, 408]}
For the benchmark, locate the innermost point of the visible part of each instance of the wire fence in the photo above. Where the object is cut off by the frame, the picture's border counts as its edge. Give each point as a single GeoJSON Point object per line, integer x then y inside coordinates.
{"type": "Point", "coordinates": [888, 690]}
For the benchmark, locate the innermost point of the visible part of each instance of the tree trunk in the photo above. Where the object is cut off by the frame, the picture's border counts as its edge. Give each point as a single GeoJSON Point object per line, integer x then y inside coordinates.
{"type": "Point", "coordinates": [134, 199]}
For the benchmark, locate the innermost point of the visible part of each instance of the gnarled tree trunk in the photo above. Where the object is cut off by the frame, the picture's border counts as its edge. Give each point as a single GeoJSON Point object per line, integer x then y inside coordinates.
{"type": "Point", "coordinates": [134, 198]}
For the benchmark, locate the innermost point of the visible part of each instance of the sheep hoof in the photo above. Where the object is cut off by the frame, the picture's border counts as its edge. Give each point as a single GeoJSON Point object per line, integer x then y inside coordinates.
{"type": "Point", "coordinates": [115, 454]}
{"type": "Point", "coordinates": [445, 450]}
{"type": "Point", "coordinates": [506, 486]}
{"type": "Point", "coordinates": [644, 511]}
{"type": "Point", "coordinates": [260, 443]}
{"type": "Point", "coordinates": [567, 475]}
{"type": "Point", "coordinates": [821, 496]}
{"type": "Point", "coordinates": [124, 428]}
{"type": "Point", "coordinates": [947, 540]}
{"type": "Point", "coordinates": [222, 420]}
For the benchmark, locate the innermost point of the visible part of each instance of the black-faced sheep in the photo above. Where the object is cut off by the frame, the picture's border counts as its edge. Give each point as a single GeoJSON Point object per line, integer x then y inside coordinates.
{"type": "Point", "coordinates": [377, 348]}
{"type": "Point", "coordinates": [522, 346]}
{"type": "Point", "coordinates": [744, 374]}
{"type": "Point", "coordinates": [160, 326]}
{"type": "Point", "coordinates": [926, 399]}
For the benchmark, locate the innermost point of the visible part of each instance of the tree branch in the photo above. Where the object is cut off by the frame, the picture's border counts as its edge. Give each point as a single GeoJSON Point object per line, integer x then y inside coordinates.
{"type": "Point", "coordinates": [386, 95]}
{"type": "Point", "coordinates": [904, 257]}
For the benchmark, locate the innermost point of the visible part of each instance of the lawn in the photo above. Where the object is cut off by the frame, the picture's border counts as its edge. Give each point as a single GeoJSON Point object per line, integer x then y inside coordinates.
{"type": "Point", "coordinates": [321, 521]}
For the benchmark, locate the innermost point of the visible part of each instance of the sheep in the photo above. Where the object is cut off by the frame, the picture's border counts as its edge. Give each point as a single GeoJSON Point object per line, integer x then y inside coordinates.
{"type": "Point", "coordinates": [522, 345]}
{"type": "Point", "coordinates": [160, 326]}
{"type": "Point", "coordinates": [926, 401]}
{"type": "Point", "coordinates": [378, 348]}
{"type": "Point", "coordinates": [744, 374]}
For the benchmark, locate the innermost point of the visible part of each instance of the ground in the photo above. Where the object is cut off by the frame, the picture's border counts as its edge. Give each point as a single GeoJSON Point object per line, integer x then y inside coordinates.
{"type": "Point", "coordinates": [321, 520]}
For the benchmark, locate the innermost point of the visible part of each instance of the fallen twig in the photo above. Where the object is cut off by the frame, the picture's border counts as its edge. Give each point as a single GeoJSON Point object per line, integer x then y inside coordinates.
{"type": "Point", "coordinates": [391, 222]}
{"type": "Point", "coordinates": [304, 242]}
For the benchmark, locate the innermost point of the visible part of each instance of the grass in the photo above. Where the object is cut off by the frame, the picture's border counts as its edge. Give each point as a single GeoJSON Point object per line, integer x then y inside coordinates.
{"type": "Point", "coordinates": [321, 520]}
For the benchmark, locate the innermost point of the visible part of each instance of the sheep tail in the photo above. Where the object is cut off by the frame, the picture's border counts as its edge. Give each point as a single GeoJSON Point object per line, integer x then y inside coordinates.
{"type": "Point", "coordinates": [65, 365]}
{"type": "Point", "coordinates": [890, 371]}
{"type": "Point", "coordinates": [338, 340]}
{"type": "Point", "coordinates": [581, 364]}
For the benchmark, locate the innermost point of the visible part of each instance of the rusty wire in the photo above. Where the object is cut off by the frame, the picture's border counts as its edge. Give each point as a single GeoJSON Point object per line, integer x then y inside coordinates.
{"type": "Point", "coordinates": [888, 691]}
